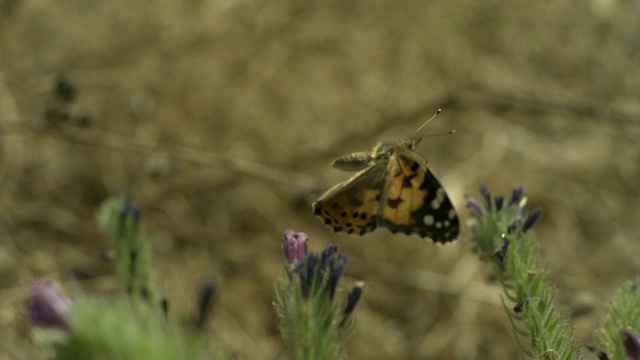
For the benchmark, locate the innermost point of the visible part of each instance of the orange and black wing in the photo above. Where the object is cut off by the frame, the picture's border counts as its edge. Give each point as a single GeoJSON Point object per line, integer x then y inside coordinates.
{"type": "Point", "coordinates": [352, 205]}
{"type": "Point", "coordinates": [414, 202]}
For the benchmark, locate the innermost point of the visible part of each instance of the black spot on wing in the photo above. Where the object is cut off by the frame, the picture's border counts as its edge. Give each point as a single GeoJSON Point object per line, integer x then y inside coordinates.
{"type": "Point", "coordinates": [394, 203]}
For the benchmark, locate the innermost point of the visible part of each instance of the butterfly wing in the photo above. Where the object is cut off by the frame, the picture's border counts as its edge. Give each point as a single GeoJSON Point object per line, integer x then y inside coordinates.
{"type": "Point", "coordinates": [414, 202]}
{"type": "Point", "coordinates": [352, 205]}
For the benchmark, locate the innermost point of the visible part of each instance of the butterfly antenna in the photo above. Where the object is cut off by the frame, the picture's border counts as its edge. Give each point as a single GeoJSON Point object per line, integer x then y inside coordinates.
{"type": "Point", "coordinates": [426, 122]}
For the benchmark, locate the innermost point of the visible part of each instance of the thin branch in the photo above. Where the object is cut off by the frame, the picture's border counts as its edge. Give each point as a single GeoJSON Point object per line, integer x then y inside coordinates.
{"type": "Point", "coordinates": [240, 166]}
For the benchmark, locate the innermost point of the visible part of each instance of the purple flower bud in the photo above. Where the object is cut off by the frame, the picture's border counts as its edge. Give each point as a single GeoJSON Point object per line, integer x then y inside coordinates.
{"type": "Point", "coordinates": [531, 219]}
{"type": "Point", "coordinates": [353, 297]}
{"type": "Point", "coordinates": [330, 250]}
{"type": "Point", "coordinates": [317, 272]}
{"type": "Point", "coordinates": [501, 252]}
{"type": "Point", "coordinates": [336, 266]}
{"type": "Point", "coordinates": [294, 246]}
{"type": "Point", "coordinates": [631, 344]}
{"type": "Point", "coordinates": [47, 306]}
{"type": "Point", "coordinates": [498, 200]}
{"type": "Point", "coordinates": [352, 300]}
{"type": "Point", "coordinates": [327, 254]}
{"type": "Point", "coordinates": [516, 194]}
{"type": "Point", "coordinates": [206, 295]}
{"type": "Point", "coordinates": [313, 269]}
{"type": "Point", "coordinates": [487, 196]}
{"type": "Point", "coordinates": [474, 206]}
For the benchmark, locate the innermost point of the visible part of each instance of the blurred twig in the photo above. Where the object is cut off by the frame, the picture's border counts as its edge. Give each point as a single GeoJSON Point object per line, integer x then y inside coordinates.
{"type": "Point", "coordinates": [245, 167]}
{"type": "Point", "coordinates": [512, 101]}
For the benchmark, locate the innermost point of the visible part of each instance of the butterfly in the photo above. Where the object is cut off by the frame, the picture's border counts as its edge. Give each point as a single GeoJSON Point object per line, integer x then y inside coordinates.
{"type": "Point", "coordinates": [393, 188]}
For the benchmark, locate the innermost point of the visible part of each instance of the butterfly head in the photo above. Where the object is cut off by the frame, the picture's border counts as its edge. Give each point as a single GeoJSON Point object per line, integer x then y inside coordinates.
{"type": "Point", "coordinates": [412, 143]}
{"type": "Point", "coordinates": [386, 149]}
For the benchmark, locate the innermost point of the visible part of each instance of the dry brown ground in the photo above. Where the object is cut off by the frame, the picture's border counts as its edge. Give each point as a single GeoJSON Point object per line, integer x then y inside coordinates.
{"type": "Point", "coordinates": [542, 93]}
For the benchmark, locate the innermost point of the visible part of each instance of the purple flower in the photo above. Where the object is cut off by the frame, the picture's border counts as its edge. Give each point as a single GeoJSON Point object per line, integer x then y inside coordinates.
{"type": "Point", "coordinates": [474, 206]}
{"type": "Point", "coordinates": [47, 306]}
{"type": "Point", "coordinates": [501, 252]}
{"type": "Point", "coordinates": [486, 195]}
{"type": "Point", "coordinates": [206, 295]}
{"type": "Point", "coordinates": [336, 266]}
{"type": "Point", "coordinates": [294, 246]}
{"type": "Point", "coordinates": [353, 297]}
{"type": "Point", "coordinates": [316, 270]}
{"type": "Point", "coordinates": [327, 255]}
{"type": "Point", "coordinates": [352, 300]}
{"type": "Point", "coordinates": [498, 200]}
{"type": "Point", "coordinates": [516, 194]}
{"type": "Point", "coordinates": [631, 343]}
{"type": "Point", "coordinates": [306, 269]}
{"type": "Point", "coordinates": [531, 219]}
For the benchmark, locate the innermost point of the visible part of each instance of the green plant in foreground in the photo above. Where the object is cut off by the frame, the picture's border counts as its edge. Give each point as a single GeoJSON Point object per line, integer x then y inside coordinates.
{"type": "Point", "coordinates": [500, 233]}
{"type": "Point", "coordinates": [616, 336]}
{"type": "Point", "coordinates": [129, 325]}
{"type": "Point", "coordinates": [119, 219]}
{"type": "Point", "coordinates": [314, 324]}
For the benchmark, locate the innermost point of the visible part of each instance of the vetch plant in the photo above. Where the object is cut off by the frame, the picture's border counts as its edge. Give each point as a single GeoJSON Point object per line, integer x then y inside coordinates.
{"type": "Point", "coordinates": [315, 323]}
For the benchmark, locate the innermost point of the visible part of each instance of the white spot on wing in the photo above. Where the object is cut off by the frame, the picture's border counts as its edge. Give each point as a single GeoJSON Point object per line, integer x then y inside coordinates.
{"type": "Point", "coordinates": [452, 214]}
{"type": "Point", "coordinates": [435, 204]}
{"type": "Point", "coordinates": [437, 201]}
{"type": "Point", "coordinates": [428, 220]}
{"type": "Point", "coordinates": [438, 225]}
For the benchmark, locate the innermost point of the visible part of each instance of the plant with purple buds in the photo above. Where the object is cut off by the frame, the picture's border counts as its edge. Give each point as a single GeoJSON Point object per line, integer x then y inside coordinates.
{"type": "Point", "coordinates": [315, 323]}
{"type": "Point", "coordinates": [128, 325]}
{"type": "Point", "coordinates": [618, 332]}
{"type": "Point", "coordinates": [500, 233]}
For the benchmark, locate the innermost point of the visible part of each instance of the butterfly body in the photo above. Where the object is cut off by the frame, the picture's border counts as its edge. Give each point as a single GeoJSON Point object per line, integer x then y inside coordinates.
{"type": "Point", "coordinates": [393, 188]}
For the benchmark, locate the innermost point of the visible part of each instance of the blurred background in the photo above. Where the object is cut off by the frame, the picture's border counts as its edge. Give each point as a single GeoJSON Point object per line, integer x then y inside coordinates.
{"type": "Point", "coordinates": [221, 119]}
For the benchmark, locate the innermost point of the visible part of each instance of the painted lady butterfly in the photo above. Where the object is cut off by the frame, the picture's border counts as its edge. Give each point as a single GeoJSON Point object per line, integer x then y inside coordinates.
{"type": "Point", "coordinates": [395, 189]}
